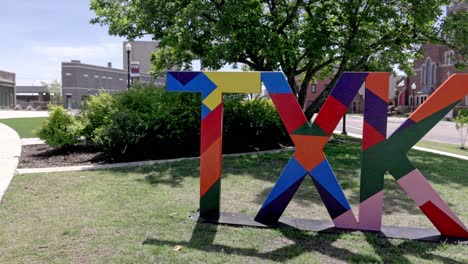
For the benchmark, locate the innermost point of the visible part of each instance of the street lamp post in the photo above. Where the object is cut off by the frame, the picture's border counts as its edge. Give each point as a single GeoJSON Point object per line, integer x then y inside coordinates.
{"type": "Point", "coordinates": [128, 48]}
{"type": "Point", "coordinates": [343, 132]}
{"type": "Point", "coordinates": [413, 88]}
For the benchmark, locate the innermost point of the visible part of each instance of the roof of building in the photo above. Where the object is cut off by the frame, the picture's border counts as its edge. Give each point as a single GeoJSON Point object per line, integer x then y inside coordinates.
{"type": "Point", "coordinates": [7, 77]}
{"type": "Point", "coordinates": [76, 63]}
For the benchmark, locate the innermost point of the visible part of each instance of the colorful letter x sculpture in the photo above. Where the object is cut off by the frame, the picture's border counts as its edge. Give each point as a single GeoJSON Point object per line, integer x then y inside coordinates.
{"type": "Point", "coordinates": [379, 153]}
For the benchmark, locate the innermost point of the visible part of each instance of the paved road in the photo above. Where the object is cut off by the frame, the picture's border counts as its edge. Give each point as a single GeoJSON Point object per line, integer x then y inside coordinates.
{"type": "Point", "coordinates": [443, 132]}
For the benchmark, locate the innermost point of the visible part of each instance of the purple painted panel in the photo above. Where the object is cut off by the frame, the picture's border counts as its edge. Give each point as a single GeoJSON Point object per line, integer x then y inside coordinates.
{"type": "Point", "coordinates": [347, 86]}
{"type": "Point", "coordinates": [375, 112]}
{"type": "Point", "coordinates": [184, 77]}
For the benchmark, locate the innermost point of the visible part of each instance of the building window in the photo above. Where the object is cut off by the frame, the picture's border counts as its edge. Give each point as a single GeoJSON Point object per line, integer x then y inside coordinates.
{"type": "Point", "coordinates": [96, 76]}
{"type": "Point", "coordinates": [68, 74]}
{"type": "Point", "coordinates": [314, 88]}
{"type": "Point", "coordinates": [423, 74]}
{"type": "Point", "coordinates": [448, 57]}
{"type": "Point", "coordinates": [85, 75]}
{"type": "Point", "coordinates": [309, 102]}
{"type": "Point", "coordinates": [428, 72]}
{"type": "Point", "coordinates": [423, 99]}
{"type": "Point", "coordinates": [428, 79]}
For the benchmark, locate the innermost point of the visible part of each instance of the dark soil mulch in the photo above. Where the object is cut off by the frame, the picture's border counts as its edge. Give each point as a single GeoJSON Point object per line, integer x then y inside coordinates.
{"type": "Point", "coordinates": [44, 156]}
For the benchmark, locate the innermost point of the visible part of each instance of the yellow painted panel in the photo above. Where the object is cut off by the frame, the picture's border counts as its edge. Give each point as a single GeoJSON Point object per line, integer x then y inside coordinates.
{"type": "Point", "coordinates": [236, 82]}
{"type": "Point", "coordinates": [214, 99]}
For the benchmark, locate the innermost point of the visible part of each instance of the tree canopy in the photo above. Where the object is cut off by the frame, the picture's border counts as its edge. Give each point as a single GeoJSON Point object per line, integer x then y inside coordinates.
{"type": "Point", "coordinates": [306, 39]}
{"type": "Point", "coordinates": [55, 89]}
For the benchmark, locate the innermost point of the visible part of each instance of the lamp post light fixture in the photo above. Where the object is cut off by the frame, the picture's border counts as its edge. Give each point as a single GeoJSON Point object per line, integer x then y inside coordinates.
{"type": "Point", "coordinates": [413, 88]}
{"type": "Point", "coordinates": [128, 48]}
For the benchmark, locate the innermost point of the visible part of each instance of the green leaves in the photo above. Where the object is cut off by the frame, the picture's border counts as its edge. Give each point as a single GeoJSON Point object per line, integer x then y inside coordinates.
{"type": "Point", "coordinates": [60, 129]}
{"type": "Point", "coordinates": [306, 38]}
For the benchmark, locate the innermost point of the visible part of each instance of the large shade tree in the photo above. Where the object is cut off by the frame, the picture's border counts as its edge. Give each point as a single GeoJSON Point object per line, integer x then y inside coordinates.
{"type": "Point", "coordinates": [305, 39]}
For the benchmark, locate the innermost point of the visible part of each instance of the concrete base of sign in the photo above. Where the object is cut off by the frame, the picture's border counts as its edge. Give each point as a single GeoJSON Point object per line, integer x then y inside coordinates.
{"type": "Point", "coordinates": [409, 233]}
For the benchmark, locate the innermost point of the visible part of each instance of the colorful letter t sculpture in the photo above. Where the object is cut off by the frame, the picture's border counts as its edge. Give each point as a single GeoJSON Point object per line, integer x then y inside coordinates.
{"type": "Point", "coordinates": [212, 85]}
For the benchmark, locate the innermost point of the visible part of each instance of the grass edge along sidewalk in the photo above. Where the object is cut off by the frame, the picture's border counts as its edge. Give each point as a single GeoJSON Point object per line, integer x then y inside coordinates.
{"type": "Point", "coordinates": [430, 150]}
{"type": "Point", "coordinates": [140, 214]}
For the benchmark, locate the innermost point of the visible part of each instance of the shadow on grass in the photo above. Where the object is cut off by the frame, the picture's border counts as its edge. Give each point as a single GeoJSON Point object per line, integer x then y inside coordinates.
{"type": "Point", "coordinates": [204, 234]}
{"type": "Point", "coordinates": [344, 157]}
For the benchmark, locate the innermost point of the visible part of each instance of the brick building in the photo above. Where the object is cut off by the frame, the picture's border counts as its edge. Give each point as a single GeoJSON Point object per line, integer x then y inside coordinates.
{"type": "Point", "coordinates": [7, 90]}
{"type": "Point", "coordinates": [35, 97]}
{"type": "Point", "coordinates": [80, 81]}
{"type": "Point", "coordinates": [431, 70]}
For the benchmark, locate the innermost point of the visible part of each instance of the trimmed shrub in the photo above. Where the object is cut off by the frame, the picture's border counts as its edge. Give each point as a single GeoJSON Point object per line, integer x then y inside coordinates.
{"type": "Point", "coordinates": [147, 121]}
{"type": "Point", "coordinates": [60, 129]}
{"type": "Point", "coordinates": [96, 114]}
{"type": "Point", "coordinates": [252, 125]}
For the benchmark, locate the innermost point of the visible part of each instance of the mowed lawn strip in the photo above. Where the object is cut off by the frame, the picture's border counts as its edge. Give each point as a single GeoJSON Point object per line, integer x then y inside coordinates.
{"type": "Point", "coordinates": [138, 215]}
{"type": "Point", "coordinates": [24, 126]}
{"type": "Point", "coordinates": [451, 148]}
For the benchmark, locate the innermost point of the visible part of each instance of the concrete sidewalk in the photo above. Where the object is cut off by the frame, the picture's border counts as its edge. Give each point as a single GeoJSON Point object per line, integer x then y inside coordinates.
{"type": "Point", "coordinates": [10, 151]}
{"type": "Point", "coordinates": [32, 141]}
{"type": "Point", "coordinates": [7, 114]}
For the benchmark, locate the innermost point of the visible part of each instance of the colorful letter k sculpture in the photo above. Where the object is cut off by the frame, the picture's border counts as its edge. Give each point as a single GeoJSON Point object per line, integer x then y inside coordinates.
{"type": "Point", "coordinates": [379, 154]}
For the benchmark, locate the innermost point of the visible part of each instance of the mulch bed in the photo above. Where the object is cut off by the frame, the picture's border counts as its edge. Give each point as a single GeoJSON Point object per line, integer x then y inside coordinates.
{"type": "Point", "coordinates": [44, 156]}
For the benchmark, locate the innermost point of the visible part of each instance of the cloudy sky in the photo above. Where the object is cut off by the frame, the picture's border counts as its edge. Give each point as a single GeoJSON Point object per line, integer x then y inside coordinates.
{"type": "Point", "coordinates": [37, 35]}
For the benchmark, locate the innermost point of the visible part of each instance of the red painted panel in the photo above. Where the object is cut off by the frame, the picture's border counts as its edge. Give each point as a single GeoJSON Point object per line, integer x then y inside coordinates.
{"type": "Point", "coordinates": [289, 110]}
{"type": "Point", "coordinates": [211, 127]}
{"type": "Point", "coordinates": [330, 114]}
{"type": "Point", "coordinates": [370, 136]}
{"type": "Point", "coordinates": [443, 223]}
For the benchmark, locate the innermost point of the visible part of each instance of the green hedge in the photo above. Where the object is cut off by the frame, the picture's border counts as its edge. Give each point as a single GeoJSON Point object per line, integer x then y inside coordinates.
{"type": "Point", "coordinates": [60, 129]}
{"type": "Point", "coordinates": [147, 121]}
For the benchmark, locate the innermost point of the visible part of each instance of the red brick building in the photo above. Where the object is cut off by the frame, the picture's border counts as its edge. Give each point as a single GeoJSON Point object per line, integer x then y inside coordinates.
{"type": "Point", "coordinates": [431, 70]}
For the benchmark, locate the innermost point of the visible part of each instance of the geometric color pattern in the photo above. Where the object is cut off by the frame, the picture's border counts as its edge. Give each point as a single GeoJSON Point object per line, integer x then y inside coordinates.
{"type": "Point", "coordinates": [380, 155]}
{"type": "Point", "coordinates": [309, 140]}
{"type": "Point", "coordinates": [374, 131]}
{"type": "Point", "coordinates": [212, 86]}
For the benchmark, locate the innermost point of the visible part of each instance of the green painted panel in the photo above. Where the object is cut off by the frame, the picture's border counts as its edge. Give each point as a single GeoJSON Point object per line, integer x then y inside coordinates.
{"type": "Point", "coordinates": [210, 202]}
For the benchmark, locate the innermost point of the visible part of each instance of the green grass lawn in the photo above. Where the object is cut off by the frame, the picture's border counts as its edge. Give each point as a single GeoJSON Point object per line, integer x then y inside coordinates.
{"type": "Point", "coordinates": [451, 148]}
{"type": "Point", "coordinates": [24, 126]}
{"type": "Point", "coordinates": [138, 215]}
